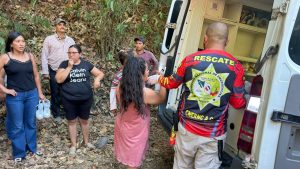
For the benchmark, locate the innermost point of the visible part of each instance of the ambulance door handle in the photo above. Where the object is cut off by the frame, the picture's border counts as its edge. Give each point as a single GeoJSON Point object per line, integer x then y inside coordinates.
{"type": "Point", "coordinates": [171, 48]}
{"type": "Point", "coordinates": [279, 116]}
{"type": "Point", "coordinates": [272, 50]}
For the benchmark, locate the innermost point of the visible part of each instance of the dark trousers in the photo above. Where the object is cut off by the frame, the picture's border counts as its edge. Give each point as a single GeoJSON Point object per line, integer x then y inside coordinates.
{"type": "Point", "coordinates": [55, 94]}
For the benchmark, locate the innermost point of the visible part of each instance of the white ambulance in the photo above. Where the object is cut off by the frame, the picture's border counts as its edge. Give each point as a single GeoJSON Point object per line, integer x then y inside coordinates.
{"type": "Point", "coordinates": [264, 35]}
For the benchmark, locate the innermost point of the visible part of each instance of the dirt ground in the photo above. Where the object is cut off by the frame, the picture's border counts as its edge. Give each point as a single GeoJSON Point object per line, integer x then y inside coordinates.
{"type": "Point", "coordinates": [53, 141]}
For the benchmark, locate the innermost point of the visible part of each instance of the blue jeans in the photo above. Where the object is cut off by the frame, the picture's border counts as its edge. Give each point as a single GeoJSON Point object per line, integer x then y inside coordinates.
{"type": "Point", "coordinates": [21, 122]}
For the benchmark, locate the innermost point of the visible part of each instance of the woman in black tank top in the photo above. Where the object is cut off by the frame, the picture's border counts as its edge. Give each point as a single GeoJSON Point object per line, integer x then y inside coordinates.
{"type": "Point", "coordinates": [23, 91]}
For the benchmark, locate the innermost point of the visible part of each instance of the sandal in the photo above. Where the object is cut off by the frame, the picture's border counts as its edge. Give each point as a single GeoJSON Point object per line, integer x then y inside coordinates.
{"type": "Point", "coordinates": [72, 151]}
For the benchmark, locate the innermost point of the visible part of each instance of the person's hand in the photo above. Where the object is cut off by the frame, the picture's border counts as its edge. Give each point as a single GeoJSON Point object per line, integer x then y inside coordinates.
{"type": "Point", "coordinates": [114, 113]}
{"type": "Point", "coordinates": [11, 92]}
{"type": "Point", "coordinates": [42, 96]}
{"type": "Point", "coordinates": [46, 76]}
{"type": "Point", "coordinates": [96, 84]}
{"type": "Point", "coordinates": [70, 63]}
{"type": "Point", "coordinates": [2, 96]}
{"type": "Point", "coordinates": [153, 79]}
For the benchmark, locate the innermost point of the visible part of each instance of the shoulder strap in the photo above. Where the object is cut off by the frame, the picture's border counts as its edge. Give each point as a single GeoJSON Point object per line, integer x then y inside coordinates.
{"type": "Point", "coordinates": [8, 55]}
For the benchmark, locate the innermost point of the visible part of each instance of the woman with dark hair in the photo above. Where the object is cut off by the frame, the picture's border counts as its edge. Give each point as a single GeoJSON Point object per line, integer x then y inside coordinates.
{"type": "Point", "coordinates": [132, 124]}
{"type": "Point", "coordinates": [22, 95]}
{"type": "Point", "coordinates": [77, 94]}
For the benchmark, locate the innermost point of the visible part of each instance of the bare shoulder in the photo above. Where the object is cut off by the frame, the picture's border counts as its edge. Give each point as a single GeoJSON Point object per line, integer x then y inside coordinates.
{"type": "Point", "coordinates": [4, 58]}
{"type": "Point", "coordinates": [30, 55]}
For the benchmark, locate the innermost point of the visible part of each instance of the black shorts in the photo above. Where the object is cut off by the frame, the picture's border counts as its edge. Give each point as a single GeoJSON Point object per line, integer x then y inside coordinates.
{"type": "Point", "coordinates": [77, 108]}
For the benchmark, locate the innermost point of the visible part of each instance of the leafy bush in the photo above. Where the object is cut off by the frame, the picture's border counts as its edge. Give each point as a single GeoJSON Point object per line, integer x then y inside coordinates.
{"type": "Point", "coordinates": [101, 27]}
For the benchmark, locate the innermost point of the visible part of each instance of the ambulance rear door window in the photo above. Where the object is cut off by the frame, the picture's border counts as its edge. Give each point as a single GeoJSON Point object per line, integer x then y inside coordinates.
{"type": "Point", "coordinates": [294, 45]}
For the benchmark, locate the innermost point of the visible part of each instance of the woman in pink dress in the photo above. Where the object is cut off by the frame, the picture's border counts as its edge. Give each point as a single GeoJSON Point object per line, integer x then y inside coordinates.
{"type": "Point", "coordinates": [132, 124]}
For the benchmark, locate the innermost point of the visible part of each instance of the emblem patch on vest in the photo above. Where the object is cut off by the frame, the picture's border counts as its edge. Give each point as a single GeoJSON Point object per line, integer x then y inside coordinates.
{"type": "Point", "coordinates": [207, 87]}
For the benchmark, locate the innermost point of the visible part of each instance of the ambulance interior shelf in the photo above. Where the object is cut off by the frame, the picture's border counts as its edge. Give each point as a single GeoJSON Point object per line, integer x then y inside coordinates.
{"type": "Point", "coordinates": [247, 29]}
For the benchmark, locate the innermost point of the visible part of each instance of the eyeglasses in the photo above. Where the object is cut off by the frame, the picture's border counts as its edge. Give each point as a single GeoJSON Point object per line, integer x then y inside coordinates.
{"type": "Point", "coordinates": [72, 53]}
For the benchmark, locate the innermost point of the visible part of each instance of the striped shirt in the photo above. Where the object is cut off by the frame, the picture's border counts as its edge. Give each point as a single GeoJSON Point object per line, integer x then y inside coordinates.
{"type": "Point", "coordinates": [114, 85]}
{"type": "Point", "coordinates": [55, 51]}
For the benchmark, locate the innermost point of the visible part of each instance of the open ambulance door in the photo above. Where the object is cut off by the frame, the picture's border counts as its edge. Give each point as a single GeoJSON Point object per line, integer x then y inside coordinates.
{"type": "Point", "coordinates": [276, 142]}
{"type": "Point", "coordinates": [176, 46]}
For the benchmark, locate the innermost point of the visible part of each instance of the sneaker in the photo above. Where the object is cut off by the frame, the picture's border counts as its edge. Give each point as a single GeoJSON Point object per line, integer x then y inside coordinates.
{"type": "Point", "coordinates": [39, 111]}
{"type": "Point", "coordinates": [46, 112]}
{"type": "Point", "coordinates": [72, 151]}
{"type": "Point", "coordinates": [18, 160]}
{"type": "Point", "coordinates": [38, 153]}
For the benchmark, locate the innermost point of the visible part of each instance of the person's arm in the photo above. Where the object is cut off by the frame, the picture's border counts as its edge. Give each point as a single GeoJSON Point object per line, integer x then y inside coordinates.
{"type": "Point", "coordinates": [2, 76]}
{"type": "Point", "coordinates": [175, 79]}
{"type": "Point", "coordinates": [153, 97]}
{"type": "Point", "coordinates": [45, 53]}
{"type": "Point", "coordinates": [112, 99]}
{"type": "Point", "coordinates": [155, 64]}
{"type": "Point", "coordinates": [62, 73]}
{"type": "Point", "coordinates": [237, 99]}
{"type": "Point", "coordinates": [99, 75]}
{"type": "Point", "coordinates": [37, 77]}
{"type": "Point", "coordinates": [3, 60]}
{"type": "Point", "coordinates": [113, 91]}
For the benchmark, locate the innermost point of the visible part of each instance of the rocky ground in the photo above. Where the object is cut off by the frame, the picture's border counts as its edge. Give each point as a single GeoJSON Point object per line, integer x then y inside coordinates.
{"type": "Point", "coordinates": [34, 19]}
{"type": "Point", "coordinates": [53, 142]}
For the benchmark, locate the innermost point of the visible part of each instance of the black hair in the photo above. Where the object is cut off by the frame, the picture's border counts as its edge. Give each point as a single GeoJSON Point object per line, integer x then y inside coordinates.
{"type": "Point", "coordinates": [132, 84]}
{"type": "Point", "coordinates": [10, 38]}
{"type": "Point", "coordinates": [76, 47]}
{"type": "Point", "coordinates": [123, 55]}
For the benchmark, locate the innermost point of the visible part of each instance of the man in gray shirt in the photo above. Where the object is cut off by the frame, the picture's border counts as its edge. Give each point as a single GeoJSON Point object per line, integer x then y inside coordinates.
{"type": "Point", "coordinates": [146, 55]}
{"type": "Point", "coordinates": [55, 48]}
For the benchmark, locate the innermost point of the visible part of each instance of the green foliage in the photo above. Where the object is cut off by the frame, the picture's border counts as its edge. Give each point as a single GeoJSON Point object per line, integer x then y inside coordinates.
{"type": "Point", "coordinates": [33, 2]}
{"type": "Point", "coordinates": [5, 27]}
{"type": "Point", "coordinates": [110, 55]}
{"type": "Point", "coordinates": [2, 45]}
{"type": "Point", "coordinates": [104, 25]}
{"type": "Point", "coordinates": [122, 20]}
{"type": "Point", "coordinates": [101, 27]}
{"type": "Point", "coordinates": [19, 27]}
{"type": "Point", "coordinates": [121, 28]}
